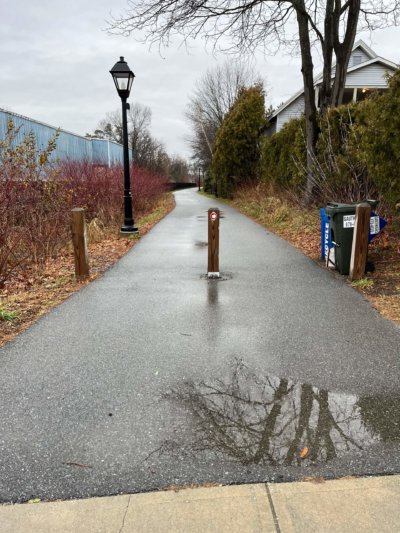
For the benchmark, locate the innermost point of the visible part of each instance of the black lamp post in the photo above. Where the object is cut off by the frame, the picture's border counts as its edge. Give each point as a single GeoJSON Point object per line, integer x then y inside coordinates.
{"type": "Point", "coordinates": [123, 79]}
{"type": "Point", "coordinates": [199, 178]}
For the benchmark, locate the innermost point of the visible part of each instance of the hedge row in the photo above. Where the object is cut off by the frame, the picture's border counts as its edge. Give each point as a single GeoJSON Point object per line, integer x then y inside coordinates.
{"type": "Point", "coordinates": [358, 151]}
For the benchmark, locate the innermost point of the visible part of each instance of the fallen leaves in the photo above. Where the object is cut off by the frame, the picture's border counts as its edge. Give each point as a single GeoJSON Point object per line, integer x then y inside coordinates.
{"type": "Point", "coordinates": [31, 293]}
{"type": "Point", "coordinates": [303, 453]}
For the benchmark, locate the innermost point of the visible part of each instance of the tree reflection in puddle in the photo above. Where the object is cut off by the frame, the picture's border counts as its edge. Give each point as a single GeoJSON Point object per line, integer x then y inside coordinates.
{"type": "Point", "coordinates": [267, 420]}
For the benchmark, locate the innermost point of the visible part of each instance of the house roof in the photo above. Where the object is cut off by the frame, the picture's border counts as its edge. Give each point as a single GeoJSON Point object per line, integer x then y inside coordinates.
{"type": "Point", "coordinates": [374, 58]}
{"type": "Point", "coordinates": [361, 44]}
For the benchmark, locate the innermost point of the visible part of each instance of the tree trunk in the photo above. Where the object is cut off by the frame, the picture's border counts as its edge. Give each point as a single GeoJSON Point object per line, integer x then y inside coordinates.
{"type": "Point", "coordinates": [327, 51]}
{"type": "Point", "coordinates": [343, 51]}
{"type": "Point", "coordinates": [310, 109]}
{"type": "Point", "coordinates": [303, 423]}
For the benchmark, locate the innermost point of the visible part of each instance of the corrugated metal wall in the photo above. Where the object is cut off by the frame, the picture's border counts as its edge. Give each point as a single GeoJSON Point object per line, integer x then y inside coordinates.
{"type": "Point", "coordinates": [69, 145]}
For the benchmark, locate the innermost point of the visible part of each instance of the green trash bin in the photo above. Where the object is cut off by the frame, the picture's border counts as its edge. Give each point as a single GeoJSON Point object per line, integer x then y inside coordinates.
{"type": "Point", "coordinates": [342, 218]}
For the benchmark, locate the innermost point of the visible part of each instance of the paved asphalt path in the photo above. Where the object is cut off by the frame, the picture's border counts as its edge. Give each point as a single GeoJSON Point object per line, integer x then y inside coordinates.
{"type": "Point", "coordinates": [154, 375]}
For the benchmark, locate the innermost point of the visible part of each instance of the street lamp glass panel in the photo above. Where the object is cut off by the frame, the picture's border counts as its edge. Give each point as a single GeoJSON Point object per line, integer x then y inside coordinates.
{"type": "Point", "coordinates": [123, 77]}
{"type": "Point", "coordinates": [123, 82]}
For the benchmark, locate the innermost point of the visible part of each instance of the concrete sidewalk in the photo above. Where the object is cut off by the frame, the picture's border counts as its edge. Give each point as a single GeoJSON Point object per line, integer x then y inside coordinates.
{"type": "Point", "coordinates": [344, 505]}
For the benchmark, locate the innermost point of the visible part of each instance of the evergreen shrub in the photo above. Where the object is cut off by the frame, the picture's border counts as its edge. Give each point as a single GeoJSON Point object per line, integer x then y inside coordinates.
{"type": "Point", "coordinates": [236, 152]}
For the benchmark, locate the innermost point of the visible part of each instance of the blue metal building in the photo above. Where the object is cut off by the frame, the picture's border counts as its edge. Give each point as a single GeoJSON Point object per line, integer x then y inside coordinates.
{"type": "Point", "coordinates": [69, 145]}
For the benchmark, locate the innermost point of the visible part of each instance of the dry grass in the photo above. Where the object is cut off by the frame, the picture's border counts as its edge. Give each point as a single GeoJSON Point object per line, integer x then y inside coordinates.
{"type": "Point", "coordinates": [301, 228]}
{"type": "Point", "coordinates": [277, 213]}
{"type": "Point", "coordinates": [33, 292]}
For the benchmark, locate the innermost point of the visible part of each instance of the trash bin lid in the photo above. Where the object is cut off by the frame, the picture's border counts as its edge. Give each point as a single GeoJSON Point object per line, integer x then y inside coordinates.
{"type": "Point", "coordinates": [335, 207]}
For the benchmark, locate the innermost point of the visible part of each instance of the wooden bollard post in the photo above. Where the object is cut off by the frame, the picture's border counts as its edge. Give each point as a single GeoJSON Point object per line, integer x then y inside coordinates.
{"type": "Point", "coordinates": [359, 246]}
{"type": "Point", "coordinates": [213, 242]}
{"type": "Point", "coordinates": [79, 241]}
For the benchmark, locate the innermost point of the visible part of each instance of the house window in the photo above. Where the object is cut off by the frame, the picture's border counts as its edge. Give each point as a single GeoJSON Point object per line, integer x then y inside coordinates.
{"type": "Point", "coordinates": [357, 60]}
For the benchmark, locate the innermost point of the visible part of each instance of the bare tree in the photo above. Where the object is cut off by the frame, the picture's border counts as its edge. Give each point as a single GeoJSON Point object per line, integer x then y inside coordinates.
{"type": "Point", "coordinates": [151, 154]}
{"type": "Point", "coordinates": [250, 24]}
{"type": "Point", "coordinates": [257, 419]}
{"type": "Point", "coordinates": [212, 98]}
{"type": "Point", "coordinates": [109, 127]}
{"type": "Point", "coordinates": [179, 170]}
{"type": "Point", "coordinates": [139, 117]}
{"type": "Point", "coordinates": [147, 151]}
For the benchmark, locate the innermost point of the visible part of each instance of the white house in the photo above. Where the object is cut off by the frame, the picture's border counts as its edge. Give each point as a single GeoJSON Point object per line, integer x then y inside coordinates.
{"type": "Point", "coordinates": [366, 72]}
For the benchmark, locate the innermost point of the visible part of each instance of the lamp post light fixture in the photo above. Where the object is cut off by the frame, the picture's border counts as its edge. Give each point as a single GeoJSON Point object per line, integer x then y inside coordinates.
{"type": "Point", "coordinates": [123, 79]}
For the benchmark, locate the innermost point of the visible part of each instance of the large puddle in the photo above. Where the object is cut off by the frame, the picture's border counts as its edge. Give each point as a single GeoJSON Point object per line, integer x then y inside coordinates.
{"type": "Point", "coordinates": [262, 420]}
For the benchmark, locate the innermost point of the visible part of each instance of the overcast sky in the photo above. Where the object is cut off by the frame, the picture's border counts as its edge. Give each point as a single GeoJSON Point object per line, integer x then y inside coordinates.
{"type": "Point", "coordinates": [55, 57]}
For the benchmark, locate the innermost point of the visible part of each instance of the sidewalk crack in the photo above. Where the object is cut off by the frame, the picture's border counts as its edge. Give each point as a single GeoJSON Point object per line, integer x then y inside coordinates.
{"type": "Point", "coordinates": [273, 511]}
{"type": "Point", "coordinates": [126, 510]}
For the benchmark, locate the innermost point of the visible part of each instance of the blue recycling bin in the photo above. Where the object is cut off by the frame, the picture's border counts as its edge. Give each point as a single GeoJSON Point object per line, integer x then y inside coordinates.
{"type": "Point", "coordinates": [376, 225]}
{"type": "Point", "coordinates": [326, 241]}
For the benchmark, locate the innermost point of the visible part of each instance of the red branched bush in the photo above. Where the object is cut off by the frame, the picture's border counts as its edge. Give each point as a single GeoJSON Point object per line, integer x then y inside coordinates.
{"type": "Point", "coordinates": [146, 188]}
{"type": "Point", "coordinates": [100, 189]}
{"type": "Point", "coordinates": [36, 197]}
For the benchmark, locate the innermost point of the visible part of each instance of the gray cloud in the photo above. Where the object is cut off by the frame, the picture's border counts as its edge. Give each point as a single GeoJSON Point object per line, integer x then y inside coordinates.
{"type": "Point", "coordinates": [55, 57]}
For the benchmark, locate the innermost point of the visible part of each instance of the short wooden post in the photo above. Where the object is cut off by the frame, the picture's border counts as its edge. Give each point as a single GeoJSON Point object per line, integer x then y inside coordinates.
{"type": "Point", "coordinates": [79, 241]}
{"type": "Point", "coordinates": [213, 242]}
{"type": "Point", "coordinates": [359, 247]}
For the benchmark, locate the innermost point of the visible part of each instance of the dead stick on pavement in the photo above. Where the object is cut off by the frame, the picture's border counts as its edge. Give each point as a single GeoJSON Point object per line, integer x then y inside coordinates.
{"type": "Point", "coordinates": [72, 463]}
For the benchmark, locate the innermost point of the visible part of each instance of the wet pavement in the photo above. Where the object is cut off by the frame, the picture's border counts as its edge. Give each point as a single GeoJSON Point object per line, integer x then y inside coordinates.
{"type": "Point", "coordinates": [155, 376]}
{"type": "Point", "coordinates": [273, 429]}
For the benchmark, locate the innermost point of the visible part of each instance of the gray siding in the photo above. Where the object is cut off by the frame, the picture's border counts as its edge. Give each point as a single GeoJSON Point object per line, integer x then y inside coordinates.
{"type": "Point", "coordinates": [69, 145]}
{"type": "Point", "coordinates": [293, 110]}
{"type": "Point", "coordinates": [368, 76]}
{"type": "Point", "coordinates": [358, 52]}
